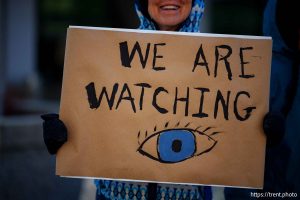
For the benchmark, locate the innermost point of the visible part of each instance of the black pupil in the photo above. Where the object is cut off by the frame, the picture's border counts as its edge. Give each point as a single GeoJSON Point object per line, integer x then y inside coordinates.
{"type": "Point", "coordinates": [176, 146]}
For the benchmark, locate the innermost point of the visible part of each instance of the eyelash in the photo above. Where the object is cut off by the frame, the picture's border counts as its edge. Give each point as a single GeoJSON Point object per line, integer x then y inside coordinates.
{"type": "Point", "coordinates": [176, 126]}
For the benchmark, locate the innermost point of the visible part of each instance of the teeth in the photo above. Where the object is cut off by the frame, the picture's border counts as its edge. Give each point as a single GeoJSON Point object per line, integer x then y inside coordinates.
{"type": "Point", "coordinates": [170, 7]}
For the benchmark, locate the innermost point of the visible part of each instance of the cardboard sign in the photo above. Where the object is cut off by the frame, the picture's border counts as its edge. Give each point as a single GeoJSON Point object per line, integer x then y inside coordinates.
{"type": "Point", "coordinates": [165, 106]}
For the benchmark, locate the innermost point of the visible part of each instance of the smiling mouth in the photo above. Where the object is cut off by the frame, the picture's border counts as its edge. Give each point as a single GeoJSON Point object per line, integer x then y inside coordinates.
{"type": "Point", "coordinates": [170, 7]}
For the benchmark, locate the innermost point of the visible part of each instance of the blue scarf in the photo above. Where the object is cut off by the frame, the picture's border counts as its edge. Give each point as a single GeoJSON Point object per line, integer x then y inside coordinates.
{"type": "Point", "coordinates": [191, 24]}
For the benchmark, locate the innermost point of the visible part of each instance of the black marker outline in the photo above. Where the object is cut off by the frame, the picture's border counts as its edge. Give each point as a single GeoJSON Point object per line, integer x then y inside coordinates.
{"type": "Point", "coordinates": [193, 131]}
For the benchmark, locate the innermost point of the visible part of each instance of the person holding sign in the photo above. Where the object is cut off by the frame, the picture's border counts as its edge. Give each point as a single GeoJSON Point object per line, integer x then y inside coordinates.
{"type": "Point", "coordinates": [175, 15]}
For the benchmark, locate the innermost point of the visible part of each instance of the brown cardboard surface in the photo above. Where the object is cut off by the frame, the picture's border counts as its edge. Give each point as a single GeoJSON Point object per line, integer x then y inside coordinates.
{"type": "Point", "coordinates": [180, 91]}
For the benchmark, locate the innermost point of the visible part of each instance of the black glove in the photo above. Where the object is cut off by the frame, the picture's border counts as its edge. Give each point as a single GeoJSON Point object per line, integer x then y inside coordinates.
{"type": "Point", "coordinates": [55, 132]}
{"type": "Point", "coordinates": [274, 127]}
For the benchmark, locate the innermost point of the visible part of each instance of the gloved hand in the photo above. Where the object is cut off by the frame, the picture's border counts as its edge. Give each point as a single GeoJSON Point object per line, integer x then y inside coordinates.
{"type": "Point", "coordinates": [54, 132]}
{"type": "Point", "coordinates": [274, 128]}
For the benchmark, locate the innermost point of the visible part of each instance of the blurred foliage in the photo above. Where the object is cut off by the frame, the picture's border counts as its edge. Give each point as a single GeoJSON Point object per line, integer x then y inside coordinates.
{"type": "Point", "coordinates": [57, 6]}
{"type": "Point", "coordinates": [237, 17]}
{"type": "Point", "coordinates": [56, 15]}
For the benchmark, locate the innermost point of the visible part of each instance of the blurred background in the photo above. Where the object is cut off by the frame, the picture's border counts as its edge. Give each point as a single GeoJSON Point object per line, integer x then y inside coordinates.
{"type": "Point", "coordinates": [32, 44]}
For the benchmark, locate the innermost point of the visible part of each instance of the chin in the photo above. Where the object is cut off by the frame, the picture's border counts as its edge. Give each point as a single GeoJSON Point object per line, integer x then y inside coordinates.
{"type": "Point", "coordinates": [171, 22]}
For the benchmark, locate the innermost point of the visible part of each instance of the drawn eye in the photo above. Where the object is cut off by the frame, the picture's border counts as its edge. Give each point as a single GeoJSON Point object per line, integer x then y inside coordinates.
{"type": "Point", "coordinates": [176, 145]}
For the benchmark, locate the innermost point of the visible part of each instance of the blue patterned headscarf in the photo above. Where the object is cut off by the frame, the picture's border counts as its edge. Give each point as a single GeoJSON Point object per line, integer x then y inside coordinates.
{"type": "Point", "coordinates": [191, 24]}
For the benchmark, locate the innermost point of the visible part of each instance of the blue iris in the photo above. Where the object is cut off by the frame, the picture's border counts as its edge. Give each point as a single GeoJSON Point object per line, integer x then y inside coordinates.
{"type": "Point", "coordinates": [176, 145]}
